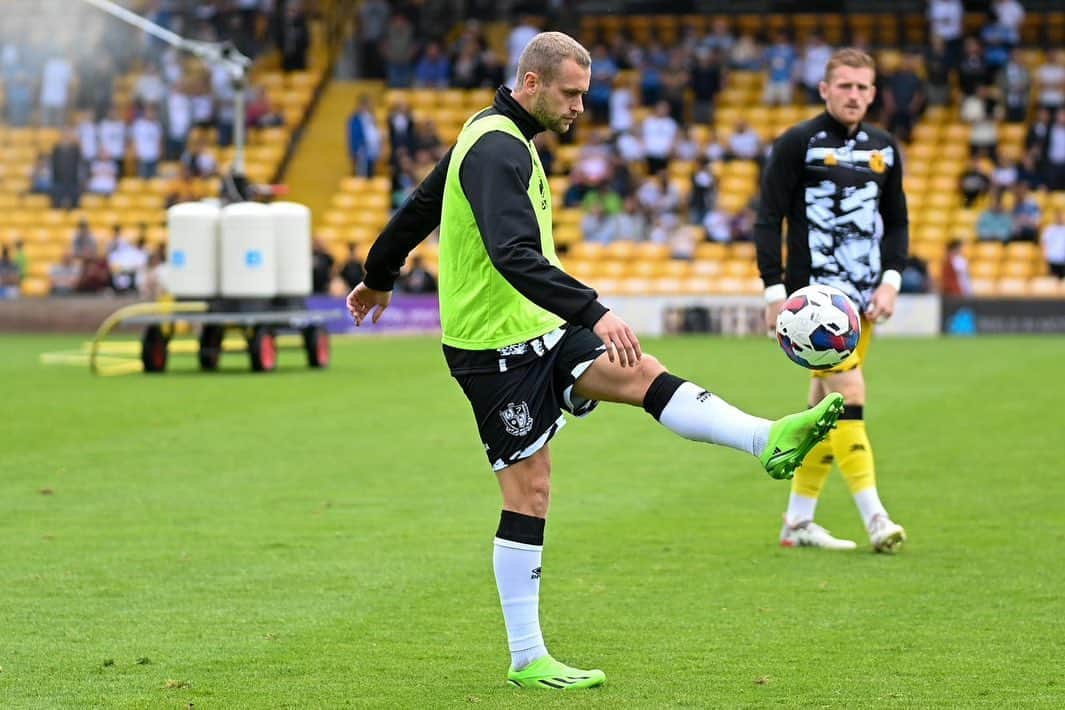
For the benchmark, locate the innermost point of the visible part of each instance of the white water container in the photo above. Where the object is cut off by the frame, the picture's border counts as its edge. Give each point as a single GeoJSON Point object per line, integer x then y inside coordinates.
{"type": "Point", "coordinates": [292, 242]}
{"type": "Point", "coordinates": [192, 250]}
{"type": "Point", "coordinates": [249, 258]}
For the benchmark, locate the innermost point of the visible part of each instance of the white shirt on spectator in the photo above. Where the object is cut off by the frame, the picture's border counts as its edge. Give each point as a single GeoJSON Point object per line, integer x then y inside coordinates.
{"type": "Point", "coordinates": [718, 226]}
{"type": "Point", "coordinates": [1010, 13]}
{"type": "Point", "coordinates": [103, 176]}
{"type": "Point", "coordinates": [179, 115]}
{"type": "Point", "coordinates": [621, 102]}
{"type": "Point", "coordinates": [745, 144]}
{"type": "Point", "coordinates": [202, 108]}
{"type": "Point", "coordinates": [150, 88]}
{"type": "Point", "coordinates": [87, 139]}
{"type": "Point", "coordinates": [55, 82]}
{"type": "Point", "coordinates": [814, 61]}
{"type": "Point", "coordinates": [1056, 144]}
{"type": "Point", "coordinates": [629, 147]}
{"type": "Point", "coordinates": [658, 136]}
{"type": "Point", "coordinates": [113, 137]}
{"type": "Point", "coordinates": [1051, 79]}
{"type": "Point", "coordinates": [1054, 243]}
{"type": "Point", "coordinates": [946, 17]}
{"type": "Point", "coordinates": [147, 135]}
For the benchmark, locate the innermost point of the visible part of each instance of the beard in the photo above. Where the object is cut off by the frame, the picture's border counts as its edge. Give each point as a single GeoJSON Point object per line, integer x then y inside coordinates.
{"type": "Point", "coordinates": [542, 113]}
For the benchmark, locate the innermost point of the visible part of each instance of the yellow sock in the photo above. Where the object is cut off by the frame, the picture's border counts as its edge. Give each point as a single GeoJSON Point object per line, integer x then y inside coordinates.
{"type": "Point", "coordinates": [854, 454]}
{"type": "Point", "coordinates": [811, 475]}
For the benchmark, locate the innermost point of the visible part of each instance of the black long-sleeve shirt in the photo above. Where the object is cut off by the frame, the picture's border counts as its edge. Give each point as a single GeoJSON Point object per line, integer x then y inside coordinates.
{"type": "Point", "coordinates": [494, 176]}
{"type": "Point", "coordinates": [833, 188]}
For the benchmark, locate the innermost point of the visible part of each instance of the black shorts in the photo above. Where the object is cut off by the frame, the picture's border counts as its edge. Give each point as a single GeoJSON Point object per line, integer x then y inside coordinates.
{"type": "Point", "coordinates": [520, 409]}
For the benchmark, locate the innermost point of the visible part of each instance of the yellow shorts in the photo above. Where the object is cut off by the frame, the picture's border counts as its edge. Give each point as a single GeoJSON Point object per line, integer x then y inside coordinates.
{"type": "Point", "coordinates": [856, 358]}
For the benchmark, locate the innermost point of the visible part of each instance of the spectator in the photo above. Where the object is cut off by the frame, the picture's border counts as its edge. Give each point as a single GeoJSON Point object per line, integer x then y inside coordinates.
{"type": "Point", "coordinates": [465, 66]}
{"type": "Point", "coordinates": [490, 70]}
{"type": "Point", "coordinates": [156, 273]}
{"type": "Point", "coordinates": [433, 70]}
{"type": "Point", "coordinates": [779, 61]}
{"type": "Point", "coordinates": [372, 24]}
{"type": "Point", "coordinates": [621, 103]}
{"type": "Point", "coordinates": [675, 81]}
{"type": "Point", "coordinates": [718, 225]}
{"type": "Point", "coordinates": [1026, 215]}
{"type": "Point", "coordinates": [58, 74]}
{"type": "Point", "coordinates": [631, 222]}
{"type": "Point", "coordinates": [945, 23]}
{"type": "Point", "coordinates": [1028, 171]}
{"type": "Point", "coordinates": [41, 175]}
{"type": "Point", "coordinates": [202, 103]}
{"type": "Point", "coordinates": [994, 223]}
{"type": "Point", "coordinates": [1054, 244]}
{"type": "Point", "coordinates": [9, 274]}
{"type": "Point", "coordinates": [352, 271]}
{"type": "Point", "coordinates": [364, 139]}
{"type": "Point", "coordinates": [745, 55]}
{"type": "Point", "coordinates": [21, 259]}
{"type": "Point", "coordinates": [112, 132]}
{"type": "Point", "coordinates": [996, 43]}
{"type": "Point", "coordinates": [720, 39]}
{"type": "Point", "coordinates": [744, 143]}
{"type": "Point", "coordinates": [83, 244]}
{"type": "Point", "coordinates": [103, 175]}
{"type": "Point", "coordinates": [658, 195]}
{"type": "Point", "coordinates": [199, 161]}
{"type": "Point", "coordinates": [321, 267]}
{"type": "Point", "coordinates": [707, 80]}
{"type": "Point", "coordinates": [954, 274]}
{"type": "Point", "coordinates": [1054, 172]}
{"type": "Point", "coordinates": [982, 114]}
{"type": "Point", "coordinates": [398, 49]}
{"type": "Point", "coordinates": [18, 96]}
{"type": "Point", "coordinates": [659, 131]}
{"type": "Point", "coordinates": [937, 73]}
{"type": "Point", "coordinates": [685, 148]}
{"type": "Point", "coordinates": [222, 88]}
{"type": "Point", "coordinates": [597, 225]}
{"type": "Point", "coordinates": [914, 276]}
{"type": "Point", "coordinates": [260, 113]}
{"type": "Point", "coordinates": [293, 38]}
{"type": "Point", "coordinates": [124, 261]}
{"type": "Point", "coordinates": [400, 129]}
{"type": "Point", "coordinates": [520, 35]}
{"type": "Point", "coordinates": [147, 138]}
{"type": "Point", "coordinates": [1038, 132]}
{"type": "Point", "coordinates": [1015, 87]}
{"type": "Point", "coordinates": [64, 276]}
{"type": "Point", "coordinates": [601, 196]}
{"type": "Point", "coordinates": [741, 225]}
{"type": "Point", "coordinates": [427, 139]}
{"type": "Point", "coordinates": [904, 97]}
{"type": "Point", "coordinates": [149, 89]}
{"type": "Point", "coordinates": [95, 84]}
{"type": "Point", "coordinates": [593, 160]}
{"type": "Point", "coordinates": [67, 172]}
{"type": "Point", "coordinates": [1009, 15]}
{"type": "Point", "coordinates": [417, 279]}
{"type": "Point", "coordinates": [814, 60]}
{"type": "Point", "coordinates": [703, 193]}
{"type": "Point", "coordinates": [629, 148]}
{"type": "Point", "coordinates": [87, 141]}
{"type": "Point", "coordinates": [604, 71]}
{"type": "Point", "coordinates": [544, 143]}
{"type": "Point", "coordinates": [179, 120]}
{"type": "Point", "coordinates": [1050, 78]}
{"type": "Point", "coordinates": [972, 72]}
{"type": "Point", "coordinates": [1004, 175]}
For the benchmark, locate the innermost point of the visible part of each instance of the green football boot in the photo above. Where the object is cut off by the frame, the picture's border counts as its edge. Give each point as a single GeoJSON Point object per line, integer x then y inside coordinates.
{"type": "Point", "coordinates": [546, 672]}
{"type": "Point", "coordinates": [792, 437]}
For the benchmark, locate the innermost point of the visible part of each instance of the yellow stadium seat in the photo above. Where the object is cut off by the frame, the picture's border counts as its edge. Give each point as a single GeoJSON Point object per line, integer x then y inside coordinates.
{"type": "Point", "coordinates": [620, 250]}
{"type": "Point", "coordinates": [1011, 287]}
{"type": "Point", "coordinates": [985, 269]}
{"type": "Point", "coordinates": [1045, 286]}
{"type": "Point", "coordinates": [710, 251]}
{"type": "Point", "coordinates": [648, 251]}
{"type": "Point", "coordinates": [588, 251]}
{"type": "Point", "coordinates": [706, 267]}
{"type": "Point", "coordinates": [1021, 251]}
{"type": "Point", "coordinates": [1017, 269]}
{"type": "Point", "coordinates": [987, 251]}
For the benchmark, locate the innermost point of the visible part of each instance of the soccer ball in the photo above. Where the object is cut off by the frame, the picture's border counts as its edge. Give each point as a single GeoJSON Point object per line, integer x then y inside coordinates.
{"type": "Point", "coordinates": [818, 327]}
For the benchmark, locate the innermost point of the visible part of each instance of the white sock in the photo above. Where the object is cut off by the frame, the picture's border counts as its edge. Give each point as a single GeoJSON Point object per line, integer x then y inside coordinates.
{"type": "Point", "coordinates": [800, 509]}
{"type": "Point", "coordinates": [869, 505]}
{"type": "Point", "coordinates": [517, 570]}
{"type": "Point", "coordinates": [698, 415]}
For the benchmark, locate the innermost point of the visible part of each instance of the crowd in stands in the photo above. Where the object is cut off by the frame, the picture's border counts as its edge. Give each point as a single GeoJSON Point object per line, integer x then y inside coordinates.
{"type": "Point", "coordinates": [648, 151]}
{"type": "Point", "coordinates": [60, 66]}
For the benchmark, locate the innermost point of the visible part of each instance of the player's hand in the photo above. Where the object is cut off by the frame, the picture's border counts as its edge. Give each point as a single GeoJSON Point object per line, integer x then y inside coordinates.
{"type": "Point", "coordinates": [882, 306]}
{"type": "Point", "coordinates": [619, 339]}
{"type": "Point", "coordinates": [363, 298]}
{"type": "Point", "coordinates": [772, 310]}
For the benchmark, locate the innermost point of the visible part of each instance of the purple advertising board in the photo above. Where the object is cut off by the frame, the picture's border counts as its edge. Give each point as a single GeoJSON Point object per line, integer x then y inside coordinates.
{"type": "Point", "coordinates": [408, 313]}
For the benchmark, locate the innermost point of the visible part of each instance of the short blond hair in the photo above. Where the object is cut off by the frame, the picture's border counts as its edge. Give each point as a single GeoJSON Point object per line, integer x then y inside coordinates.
{"type": "Point", "coordinates": [849, 57]}
{"type": "Point", "coordinates": [545, 53]}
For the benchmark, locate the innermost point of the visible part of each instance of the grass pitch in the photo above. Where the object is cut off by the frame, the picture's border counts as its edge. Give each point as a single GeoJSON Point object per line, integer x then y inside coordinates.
{"type": "Point", "coordinates": [323, 539]}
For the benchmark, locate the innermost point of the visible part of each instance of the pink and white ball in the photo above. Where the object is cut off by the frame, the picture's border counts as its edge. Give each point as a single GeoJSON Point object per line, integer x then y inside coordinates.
{"type": "Point", "coordinates": [818, 327]}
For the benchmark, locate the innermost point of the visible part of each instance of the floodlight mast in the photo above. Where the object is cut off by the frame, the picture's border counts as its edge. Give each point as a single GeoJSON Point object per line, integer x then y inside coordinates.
{"type": "Point", "coordinates": [222, 54]}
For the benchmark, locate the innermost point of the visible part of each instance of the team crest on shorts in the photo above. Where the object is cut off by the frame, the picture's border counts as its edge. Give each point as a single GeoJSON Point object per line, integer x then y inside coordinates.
{"type": "Point", "coordinates": [517, 419]}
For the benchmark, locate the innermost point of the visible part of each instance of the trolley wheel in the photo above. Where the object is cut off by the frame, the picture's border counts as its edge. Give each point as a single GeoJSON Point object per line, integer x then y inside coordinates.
{"type": "Point", "coordinates": [154, 349]}
{"type": "Point", "coordinates": [211, 346]}
{"type": "Point", "coordinates": [262, 348]}
{"type": "Point", "coordinates": [316, 343]}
